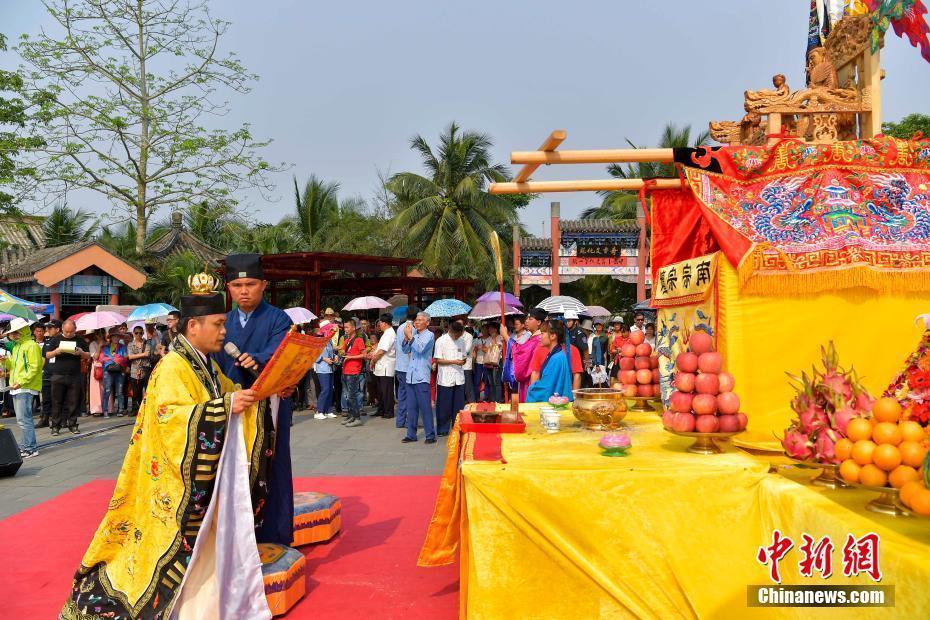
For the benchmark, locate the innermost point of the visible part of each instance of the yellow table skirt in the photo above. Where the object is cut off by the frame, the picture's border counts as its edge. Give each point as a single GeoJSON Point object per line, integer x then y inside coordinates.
{"type": "Point", "coordinates": [559, 531]}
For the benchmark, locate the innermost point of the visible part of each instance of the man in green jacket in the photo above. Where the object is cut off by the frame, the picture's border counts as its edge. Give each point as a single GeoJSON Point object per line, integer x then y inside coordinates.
{"type": "Point", "coordinates": [24, 367]}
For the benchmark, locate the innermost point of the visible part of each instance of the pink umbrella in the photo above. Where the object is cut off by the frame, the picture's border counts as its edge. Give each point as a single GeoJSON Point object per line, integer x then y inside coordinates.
{"type": "Point", "coordinates": [99, 320]}
{"type": "Point", "coordinates": [366, 303]}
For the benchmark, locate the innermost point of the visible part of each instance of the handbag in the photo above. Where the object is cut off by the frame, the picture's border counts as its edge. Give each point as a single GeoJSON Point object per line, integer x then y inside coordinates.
{"type": "Point", "coordinates": [98, 372]}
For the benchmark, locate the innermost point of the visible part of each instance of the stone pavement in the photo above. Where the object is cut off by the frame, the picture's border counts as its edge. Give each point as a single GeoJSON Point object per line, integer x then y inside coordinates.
{"type": "Point", "coordinates": [318, 448]}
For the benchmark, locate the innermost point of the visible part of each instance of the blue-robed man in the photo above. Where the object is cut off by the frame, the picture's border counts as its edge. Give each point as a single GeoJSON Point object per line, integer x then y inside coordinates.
{"type": "Point", "coordinates": [257, 328]}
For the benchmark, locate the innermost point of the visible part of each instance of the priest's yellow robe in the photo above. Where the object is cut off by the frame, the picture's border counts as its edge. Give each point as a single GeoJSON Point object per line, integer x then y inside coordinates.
{"type": "Point", "coordinates": [189, 464]}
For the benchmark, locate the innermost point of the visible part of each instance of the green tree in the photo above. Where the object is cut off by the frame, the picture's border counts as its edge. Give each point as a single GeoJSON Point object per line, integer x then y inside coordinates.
{"type": "Point", "coordinates": [272, 239]}
{"type": "Point", "coordinates": [315, 207]}
{"type": "Point", "coordinates": [446, 216]}
{"type": "Point", "coordinates": [15, 176]}
{"type": "Point", "coordinates": [622, 206]}
{"type": "Point", "coordinates": [64, 225]}
{"type": "Point", "coordinates": [120, 239]}
{"type": "Point", "coordinates": [908, 126]}
{"type": "Point", "coordinates": [169, 281]}
{"type": "Point", "coordinates": [133, 84]}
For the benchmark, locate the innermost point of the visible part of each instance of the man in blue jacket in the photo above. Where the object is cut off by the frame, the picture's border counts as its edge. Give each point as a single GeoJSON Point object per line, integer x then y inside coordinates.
{"type": "Point", "coordinates": [257, 328]}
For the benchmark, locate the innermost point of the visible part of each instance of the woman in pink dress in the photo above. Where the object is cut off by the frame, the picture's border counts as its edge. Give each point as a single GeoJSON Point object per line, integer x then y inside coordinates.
{"type": "Point", "coordinates": [95, 389]}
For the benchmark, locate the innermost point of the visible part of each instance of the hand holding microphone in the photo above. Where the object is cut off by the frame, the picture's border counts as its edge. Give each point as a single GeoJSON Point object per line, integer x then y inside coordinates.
{"type": "Point", "coordinates": [243, 360]}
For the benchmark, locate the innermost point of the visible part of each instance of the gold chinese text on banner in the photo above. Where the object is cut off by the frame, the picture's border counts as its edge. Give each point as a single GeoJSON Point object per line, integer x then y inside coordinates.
{"type": "Point", "coordinates": [291, 361]}
{"type": "Point", "coordinates": [685, 282]}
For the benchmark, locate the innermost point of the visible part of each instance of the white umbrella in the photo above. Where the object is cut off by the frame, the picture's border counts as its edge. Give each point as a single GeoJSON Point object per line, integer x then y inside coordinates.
{"type": "Point", "coordinates": [560, 304]}
{"type": "Point", "coordinates": [299, 315]}
{"type": "Point", "coordinates": [366, 303]}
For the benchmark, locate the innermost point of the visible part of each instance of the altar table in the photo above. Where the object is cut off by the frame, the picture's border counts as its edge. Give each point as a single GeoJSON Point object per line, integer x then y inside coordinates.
{"type": "Point", "coordinates": [545, 526]}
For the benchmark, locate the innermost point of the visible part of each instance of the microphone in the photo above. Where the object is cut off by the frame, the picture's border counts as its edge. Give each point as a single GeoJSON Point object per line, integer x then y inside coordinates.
{"type": "Point", "coordinates": [233, 351]}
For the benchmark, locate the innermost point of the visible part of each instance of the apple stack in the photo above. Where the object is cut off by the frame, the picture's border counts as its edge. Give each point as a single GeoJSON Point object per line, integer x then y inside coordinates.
{"type": "Point", "coordinates": [703, 400]}
{"type": "Point", "coordinates": [639, 368]}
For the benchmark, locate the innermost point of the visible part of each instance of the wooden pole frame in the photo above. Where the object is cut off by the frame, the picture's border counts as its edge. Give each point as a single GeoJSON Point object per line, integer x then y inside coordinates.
{"type": "Point", "coordinates": [548, 154]}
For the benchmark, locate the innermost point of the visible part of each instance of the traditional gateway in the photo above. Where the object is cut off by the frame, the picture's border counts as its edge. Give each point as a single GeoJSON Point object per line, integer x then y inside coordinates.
{"type": "Point", "coordinates": [807, 227]}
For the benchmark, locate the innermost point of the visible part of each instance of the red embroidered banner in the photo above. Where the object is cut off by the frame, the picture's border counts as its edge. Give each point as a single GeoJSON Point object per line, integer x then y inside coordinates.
{"type": "Point", "coordinates": [804, 217]}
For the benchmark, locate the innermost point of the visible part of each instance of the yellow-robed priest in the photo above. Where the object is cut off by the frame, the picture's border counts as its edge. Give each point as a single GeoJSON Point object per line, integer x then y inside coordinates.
{"type": "Point", "coordinates": [178, 538]}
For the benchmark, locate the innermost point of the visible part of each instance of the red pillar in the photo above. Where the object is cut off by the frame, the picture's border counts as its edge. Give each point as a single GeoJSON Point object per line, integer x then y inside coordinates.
{"type": "Point", "coordinates": [554, 208]}
{"type": "Point", "coordinates": [114, 299]}
{"type": "Point", "coordinates": [56, 301]}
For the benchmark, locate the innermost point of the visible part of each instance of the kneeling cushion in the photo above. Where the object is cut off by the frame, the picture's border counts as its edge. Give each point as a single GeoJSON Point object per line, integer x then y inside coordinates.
{"type": "Point", "coordinates": [283, 570]}
{"type": "Point", "coordinates": [317, 517]}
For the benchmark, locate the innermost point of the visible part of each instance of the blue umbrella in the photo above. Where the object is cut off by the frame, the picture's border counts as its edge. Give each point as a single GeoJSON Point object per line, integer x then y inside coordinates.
{"type": "Point", "coordinates": [149, 312]}
{"type": "Point", "coordinates": [447, 307]}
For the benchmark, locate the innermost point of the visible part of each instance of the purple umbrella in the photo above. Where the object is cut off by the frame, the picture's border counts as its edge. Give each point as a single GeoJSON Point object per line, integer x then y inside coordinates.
{"type": "Point", "coordinates": [509, 299]}
{"type": "Point", "coordinates": [491, 309]}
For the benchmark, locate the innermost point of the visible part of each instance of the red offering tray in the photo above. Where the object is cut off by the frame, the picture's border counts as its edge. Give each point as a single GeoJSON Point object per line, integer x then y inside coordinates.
{"type": "Point", "coordinates": [468, 425]}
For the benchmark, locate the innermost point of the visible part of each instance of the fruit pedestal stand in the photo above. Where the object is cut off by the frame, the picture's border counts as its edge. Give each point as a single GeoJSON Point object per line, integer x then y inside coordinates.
{"type": "Point", "coordinates": [828, 476]}
{"type": "Point", "coordinates": [645, 404]}
{"type": "Point", "coordinates": [705, 443]}
{"type": "Point", "coordinates": [886, 503]}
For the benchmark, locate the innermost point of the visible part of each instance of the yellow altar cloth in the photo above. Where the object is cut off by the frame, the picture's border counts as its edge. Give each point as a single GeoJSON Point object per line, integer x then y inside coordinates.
{"type": "Point", "coordinates": [559, 531]}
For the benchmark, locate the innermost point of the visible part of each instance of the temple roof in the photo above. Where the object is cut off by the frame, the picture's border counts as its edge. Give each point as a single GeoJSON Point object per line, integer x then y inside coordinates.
{"type": "Point", "coordinates": [176, 240]}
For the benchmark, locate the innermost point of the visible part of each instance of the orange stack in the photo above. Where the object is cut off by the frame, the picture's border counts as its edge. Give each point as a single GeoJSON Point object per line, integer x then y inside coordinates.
{"type": "Point", "coordinates": [884, 450]}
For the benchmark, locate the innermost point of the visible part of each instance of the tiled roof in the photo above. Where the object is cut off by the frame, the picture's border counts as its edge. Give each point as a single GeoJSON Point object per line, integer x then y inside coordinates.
{"type": "Point", "coordinates": [22, 232]}
{"type": "Point", "coordinates": [26, 267]}
{"type": "Point", "coordinates": [177, 240]}
{"type": "Point", "coordinates": [597, 226]}
{"type": "Point", "coordinates": [535, 243]}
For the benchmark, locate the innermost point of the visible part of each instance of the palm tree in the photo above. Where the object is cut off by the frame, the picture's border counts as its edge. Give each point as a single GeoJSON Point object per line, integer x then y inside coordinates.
{"type": "Point", "coordinates": [315, 207]}
{"type": "Point", "coordinates": [169, 281]}
{"type": "Point", "coordinates": [447, 215]}
{"type": "Point", "coordinates": [121, 240]}
{"type": "Point", "coordinates": [64, 226]}
{"type": "Point", "coordinates": [622, 206]}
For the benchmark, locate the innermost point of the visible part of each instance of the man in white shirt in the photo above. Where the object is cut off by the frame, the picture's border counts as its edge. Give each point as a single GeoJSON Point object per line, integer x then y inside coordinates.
{"type": "Point", "coordinates": [469, 342]}
{"type": "Point", "coordinates": [383, 360]}
{"type": "Point", "coordinates": [638, 322]}
{"type": "Point", "coordinates": [449, 354]}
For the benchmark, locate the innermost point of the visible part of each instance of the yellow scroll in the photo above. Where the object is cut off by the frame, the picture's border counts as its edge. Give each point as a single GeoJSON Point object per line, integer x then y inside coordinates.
{"type": "Point", "coordinates": [293, 358]}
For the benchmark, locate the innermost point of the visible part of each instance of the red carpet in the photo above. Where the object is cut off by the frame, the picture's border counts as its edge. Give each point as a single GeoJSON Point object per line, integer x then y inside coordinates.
{"type": "Point", "coordinates": [368, 570]}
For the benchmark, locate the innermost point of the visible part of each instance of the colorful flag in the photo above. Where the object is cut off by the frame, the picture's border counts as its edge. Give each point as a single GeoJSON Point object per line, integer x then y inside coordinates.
{"type": "Point", "coordinates": [906, 17]}
{"type": "Point", "coordinates": [813, 30]}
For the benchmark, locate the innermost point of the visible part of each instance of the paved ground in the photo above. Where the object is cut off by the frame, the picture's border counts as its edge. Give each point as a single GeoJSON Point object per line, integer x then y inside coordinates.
{"type": "Point", "coordinates": [319, 448]}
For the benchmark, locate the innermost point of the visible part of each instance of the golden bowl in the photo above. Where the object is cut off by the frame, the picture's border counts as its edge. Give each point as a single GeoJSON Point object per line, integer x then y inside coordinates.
{"type": "Point", "coordinates": [599, 409]}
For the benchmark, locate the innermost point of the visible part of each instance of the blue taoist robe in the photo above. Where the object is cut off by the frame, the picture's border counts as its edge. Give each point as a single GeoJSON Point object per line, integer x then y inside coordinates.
{"type": "Point", "coordinates": [262, 334]}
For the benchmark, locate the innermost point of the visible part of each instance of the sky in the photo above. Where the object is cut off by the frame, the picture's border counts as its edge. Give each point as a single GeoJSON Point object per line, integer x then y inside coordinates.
{"type": "Point", "coordinates": [345, 85]}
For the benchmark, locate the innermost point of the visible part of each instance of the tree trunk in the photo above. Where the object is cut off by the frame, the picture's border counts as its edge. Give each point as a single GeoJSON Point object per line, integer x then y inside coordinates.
{"type": "Point", "coordinates": [142, 180]}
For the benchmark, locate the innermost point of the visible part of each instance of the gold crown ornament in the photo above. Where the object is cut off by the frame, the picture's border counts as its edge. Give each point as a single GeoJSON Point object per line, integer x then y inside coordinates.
{"type": "Point", "coordinates": [202, 283]}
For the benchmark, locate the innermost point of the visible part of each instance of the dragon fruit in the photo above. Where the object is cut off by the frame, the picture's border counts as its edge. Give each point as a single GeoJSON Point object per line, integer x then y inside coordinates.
{"type": "Point", "coordinates": [812, 419]}
{"type": "Point", "coordinates": [833, 376]}
{"type": "Point", "coordinates": [842, 418]}
{"type": "Point", "coordinates": [825, 402]}
{"type": "Point", "coordinates": [824, 446]}
{"type": "Point", "coordinates": [797, 444]}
